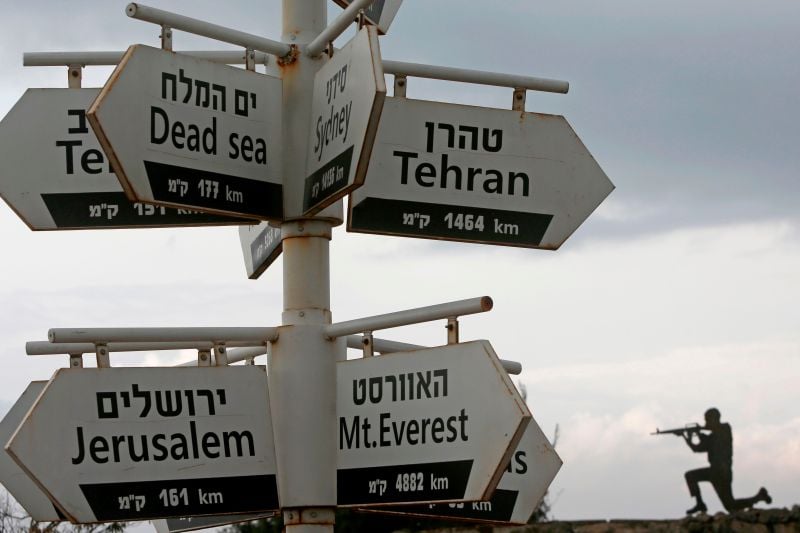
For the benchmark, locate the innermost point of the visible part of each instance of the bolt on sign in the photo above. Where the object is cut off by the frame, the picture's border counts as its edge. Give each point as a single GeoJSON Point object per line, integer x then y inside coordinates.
{"type": "Point", "coordinates": [432, 425]}
{"type": "Point", "coordinates": [348, 97]}
{"type": "Point", "coordinates": [54, 174]}
{"type": "Point", "coordinates": [146, 443]}
{"type": "Point", "coordinates": [475, 174]}
{"type": "Point", "coordinates": [190, 133]}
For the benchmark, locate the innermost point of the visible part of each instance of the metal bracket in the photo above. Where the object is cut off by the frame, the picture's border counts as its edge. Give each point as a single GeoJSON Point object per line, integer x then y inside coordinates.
{"type": "Point", "coordinates": [250, 59]}
{"type": "Point", "coordinates": [220, 355]}
{"type": "Point", "coordinates": [103, 361]}
{"type": "Point", "coordinates": [400, 83]}
{"type": "Point", "coordinates": [76, 360]}
{"type": "Point", "coordinates": [518, 103]}
{"type": "Point", "coordinates": [74, 76]}
{"type": "Point", "coordinates": [329, 49]}
{"type": "Point", "coordinates": [203, 357]}
{"type": "Point", "coordinates": [166, 38]}
{"type": "Point", "coordinates": [368, 344]}
{"type": "Point", "coordinates": [452, 330]}
{"type": "Point", "coordinates": [318, 516]}
{"type": "Point", "coordinates": [361, 19]}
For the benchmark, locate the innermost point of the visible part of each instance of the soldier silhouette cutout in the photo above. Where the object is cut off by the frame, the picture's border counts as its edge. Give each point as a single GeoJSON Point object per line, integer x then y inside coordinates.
{"type": "Point", "coordinates": [715, 438]}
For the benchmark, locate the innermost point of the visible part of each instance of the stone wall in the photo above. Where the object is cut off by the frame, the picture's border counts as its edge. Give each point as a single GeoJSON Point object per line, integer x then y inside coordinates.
{"type": "Point", "coordinates": [754, 521]}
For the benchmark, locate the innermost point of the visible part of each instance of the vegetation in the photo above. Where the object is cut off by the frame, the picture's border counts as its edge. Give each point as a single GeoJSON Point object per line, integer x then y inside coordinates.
{"type": "Point", "coordinates": [14, 519]}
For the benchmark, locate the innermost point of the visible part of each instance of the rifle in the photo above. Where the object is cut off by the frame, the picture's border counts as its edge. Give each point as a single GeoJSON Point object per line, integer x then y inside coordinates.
{"type": "Point", "coordinates": [688, 428]}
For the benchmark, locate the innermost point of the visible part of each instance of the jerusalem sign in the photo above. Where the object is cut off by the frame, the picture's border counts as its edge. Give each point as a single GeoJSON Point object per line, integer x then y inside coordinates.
{"type": "Point", "coordinates": [12, 477]}
{"type": "Point", "coordinates": [146, 443]}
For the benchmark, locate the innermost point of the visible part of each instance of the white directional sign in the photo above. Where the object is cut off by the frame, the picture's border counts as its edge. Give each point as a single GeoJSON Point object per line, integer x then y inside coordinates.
{"type": "Point", "coordinates": [472, 174]}
{"type": "Point", "coordinates": [532, 468]}
{"type": "Point", "coordinates": [193, 523]}
{"type": "Point", "coordinates": [186, 132]}
{"type": "Point", "coordinates": [433, 425]}
{"type": "Point", "coordinates": [145, 443]}
{"type": "Point", "coordinates": [12, 477]}
{"type": "Point", "coordinates": [348, 97]}
{"type": "Point", "coordinates": [261, 246]}
{"type": "Point", "coordinates": [380, 12]}
{"type": "Point", "coordinates": [54, 175]}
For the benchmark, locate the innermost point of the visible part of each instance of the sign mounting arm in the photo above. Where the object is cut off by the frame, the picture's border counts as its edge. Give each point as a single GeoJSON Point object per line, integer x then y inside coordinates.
{"type": "Point", "coordinates": [207, 29]}
{"type": "Point", "coordinates": [410, 316]}
{"type": "Point", "coordinates": [436, 72]}
{"type": "Point", "coordinates": [326, 36]}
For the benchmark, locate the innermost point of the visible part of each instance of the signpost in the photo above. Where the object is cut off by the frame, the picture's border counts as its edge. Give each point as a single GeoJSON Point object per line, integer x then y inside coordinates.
{"type": "Point", "coordinates": [261, 246]}
{"type": "Point", "coordinates": [12, 477]}
{"type": "Point", "coordinates": [433, 425]}
{"type": "Point", "coordinates": [347, 100]}
{"type": "Point", "coordinates": [472, 174]}
{"type": "Point", "coordinates": [380, 12]}
{"type": "Point", "coordinates": [428, 431]}
{"type": "Point", "coordinates": [190, 133]}
{"type": "Point", "coordinates": [54, 175]}
{"type": "Point", "coordinates": [532, 468]}
{"type": "Point", "coordinates": [145, 443]}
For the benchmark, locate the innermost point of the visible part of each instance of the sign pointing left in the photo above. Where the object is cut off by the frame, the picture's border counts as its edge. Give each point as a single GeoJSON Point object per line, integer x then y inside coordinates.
{"type": "Point", "coordinates": [14, 479]}
{"type": "Point", "coordinates": [145, 443]}
{"type": "Point", "coordinates": [261, 246]}
{"type": "Point", "coordinates": [54, 175]}
{"type": "Point", "coordinates": [186, 132]}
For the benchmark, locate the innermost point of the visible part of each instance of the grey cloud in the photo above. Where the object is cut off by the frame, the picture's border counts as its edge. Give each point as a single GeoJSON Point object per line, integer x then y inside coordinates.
{"type": "Point", "coordinates": [695, 122]}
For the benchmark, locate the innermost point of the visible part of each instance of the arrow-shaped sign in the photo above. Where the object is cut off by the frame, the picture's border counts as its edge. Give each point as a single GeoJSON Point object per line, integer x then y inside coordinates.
{"type": "Point", "coordinates": [432, 425]}
{"type": "Point", "coordinates": [54, 175]}
{"type": "Point", "coordinates": [474, 174]}
{"type": "Point", "coordinates": [186, 132]}
{"type": "Point", "coordinates": [193, 523]}
{"type": "Point", "coordinates": [348, 97]}
{"type": "Point", "coordinates": [144, 443]}
{"type": "Point", "coordinates": [12, 477]}
{"type": "Point", "coordinates": [261, 246]}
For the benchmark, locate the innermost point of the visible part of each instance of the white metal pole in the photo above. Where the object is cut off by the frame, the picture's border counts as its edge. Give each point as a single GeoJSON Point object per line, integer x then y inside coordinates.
{"type": "Point", "coordinates": [302, 362]}
{"type": "Point", "coordinates": [206, 29]}
{"type": "Point", "coordinates": [65, 59]}
{"type": "Point", "coordinates": [214, 335]}
{"type": "Point", "coordinates": [411, 316]}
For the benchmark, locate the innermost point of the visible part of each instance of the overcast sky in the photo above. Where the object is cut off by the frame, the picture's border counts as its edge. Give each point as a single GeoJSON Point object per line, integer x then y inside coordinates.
{"type": "Point", "coordinates": [679, 293]}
